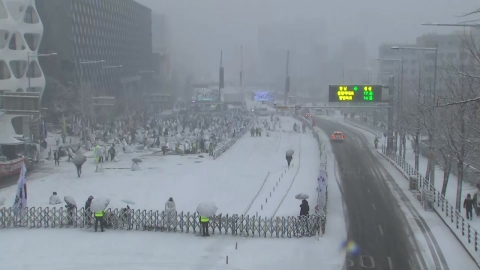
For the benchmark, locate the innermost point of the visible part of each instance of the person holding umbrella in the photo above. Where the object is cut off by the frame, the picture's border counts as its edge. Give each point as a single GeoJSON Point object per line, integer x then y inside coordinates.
{"type": "Point", "coordinates": [99, 218]}
{"type": "Point", "coordinates": [78, 160]}
{"type": "Point", "coordinates": [304, 208]}
{"type": "Point", "coordinates": [206, 210]}
{"type": "Point", "coordinates": [98, 206]}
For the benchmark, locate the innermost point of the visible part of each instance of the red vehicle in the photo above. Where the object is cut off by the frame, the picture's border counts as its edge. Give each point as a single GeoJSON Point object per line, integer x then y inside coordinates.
{"type": "Point", "coordinates": [338, 136]}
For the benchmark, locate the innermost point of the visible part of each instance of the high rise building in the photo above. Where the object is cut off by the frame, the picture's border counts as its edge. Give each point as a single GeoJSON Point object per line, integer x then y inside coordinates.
{"type": "Point", "coordinates": [115, 31]}
{"type": "Point", "coordinates": [159, 91]}
{"type": "Point", "coordinates": [21, 77]}
{"type": "Point", "coordinates": [419, 65]}
{"type": "Point", "coordinates": [21, 32]}
{"type": "Point", "coordinates": [391, 64]}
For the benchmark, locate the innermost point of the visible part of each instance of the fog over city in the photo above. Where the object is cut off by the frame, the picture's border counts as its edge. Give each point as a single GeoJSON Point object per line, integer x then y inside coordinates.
{"type": "Point", "coordinates": [240, 134]}
{"type": "Point", "coordinates": [200, 29]}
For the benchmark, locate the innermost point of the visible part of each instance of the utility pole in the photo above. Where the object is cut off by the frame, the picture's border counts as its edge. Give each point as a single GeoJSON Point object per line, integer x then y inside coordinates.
{"type": "Point", "coordinates": [391, 90]}
{"type": "Point", "coordinates": [221, 79]}
{"type": "Point", "coordinates": [287, 81]}
{"type": "Point", "coordinates": [241, 66]}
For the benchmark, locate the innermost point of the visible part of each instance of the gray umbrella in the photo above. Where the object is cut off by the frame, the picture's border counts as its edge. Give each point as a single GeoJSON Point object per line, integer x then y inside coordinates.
{"type": "Point", "coordinates": [136, 160]}
{"type": "Point", "coordinates": [70, 200]}
{"type": "Point", "coordinates": [301, 196]}
{"type": "Point", "coordinates": [128, 201]}
{"type": "Point", "coordinates": [290, 152]}
{"type": "Point", "coordinates": [99, 204]}
{"type": "Point", "coordinates": [79, 159]}
{"type": "Point", "coordinates": [207, 209]}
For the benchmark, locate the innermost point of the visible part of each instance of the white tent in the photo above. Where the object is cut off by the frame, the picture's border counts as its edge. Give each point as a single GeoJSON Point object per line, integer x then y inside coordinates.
{"type": "Point", "coordinates": [7, 133]}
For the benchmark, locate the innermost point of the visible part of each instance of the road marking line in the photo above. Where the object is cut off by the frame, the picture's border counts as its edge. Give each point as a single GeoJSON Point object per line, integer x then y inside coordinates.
{"type": "Point", "coordinates": [390, 263]}
{"type": "Point", "coordinates": [373, 205]}
{"type": "Point", "coordinates": [380, 228]}
{"type": "Point", "coordinates": [368, 190]}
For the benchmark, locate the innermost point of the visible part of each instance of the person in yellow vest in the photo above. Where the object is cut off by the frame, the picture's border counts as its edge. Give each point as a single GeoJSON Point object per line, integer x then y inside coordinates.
{"type": "Point", "coordinates": [99, 218]}
{"type": "Point", "coordinates": [204, 223]}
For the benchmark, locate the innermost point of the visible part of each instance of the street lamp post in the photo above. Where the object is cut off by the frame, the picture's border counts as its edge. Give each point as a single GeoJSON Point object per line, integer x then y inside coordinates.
{"type": "Point", "coordinates": [399, 104]}
{"type": "Point", "coordinates": [430, 134]}
{"type": "Point", "coordinates": [28, 63]}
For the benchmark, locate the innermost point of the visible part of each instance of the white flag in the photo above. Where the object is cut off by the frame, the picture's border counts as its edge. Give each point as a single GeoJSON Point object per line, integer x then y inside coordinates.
{"type": "Point", "coordinates": [21, 198]}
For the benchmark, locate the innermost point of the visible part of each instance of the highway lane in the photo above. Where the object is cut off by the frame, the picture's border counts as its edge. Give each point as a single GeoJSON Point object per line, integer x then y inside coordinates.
{"type": "Point", "coordinates": [376, 222]}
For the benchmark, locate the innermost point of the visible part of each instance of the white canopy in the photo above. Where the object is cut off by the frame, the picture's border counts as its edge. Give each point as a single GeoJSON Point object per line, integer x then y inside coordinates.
{"type": "Point", "coordinates": [7, 133]}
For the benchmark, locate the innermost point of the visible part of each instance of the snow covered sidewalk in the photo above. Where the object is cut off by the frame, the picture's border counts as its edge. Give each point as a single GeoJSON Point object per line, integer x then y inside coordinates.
{"type": "Point", "coordinates": [449, 227]}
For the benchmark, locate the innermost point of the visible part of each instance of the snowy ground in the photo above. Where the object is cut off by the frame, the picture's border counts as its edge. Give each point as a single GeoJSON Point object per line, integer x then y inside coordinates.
{"type": "Point", "coordinates": [232, 182]}
{"type": "Point", "coordinates": [455, 254]}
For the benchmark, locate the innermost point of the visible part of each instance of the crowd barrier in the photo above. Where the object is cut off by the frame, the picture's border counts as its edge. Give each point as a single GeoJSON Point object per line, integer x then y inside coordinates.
{"type": "Point", "coordinates": [149, 220]}
{"type": "Point", "coordinates": [218, 152]}
{"type": "Point", "coordinates": [322, 200]}
{"type": "Point", "coordinates": [457, 224]}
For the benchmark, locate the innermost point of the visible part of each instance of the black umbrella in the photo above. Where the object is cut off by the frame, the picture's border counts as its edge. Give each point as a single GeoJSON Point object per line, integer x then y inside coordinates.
{"type": "Point", "coordinates": [79, 159]}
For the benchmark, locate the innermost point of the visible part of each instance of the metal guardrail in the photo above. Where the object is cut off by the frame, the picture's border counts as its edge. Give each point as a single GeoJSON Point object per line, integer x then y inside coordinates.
{"type": "Point", "coordinates": [458, 225]}
{"type": "Point", "coordinates": [231, 142]}
{"type": "Point", "coordinates": [322, 164]}
{"type": "Point", "coordinates": [149, 220]}
{"type": "Point", "coordinates": [470, 173]}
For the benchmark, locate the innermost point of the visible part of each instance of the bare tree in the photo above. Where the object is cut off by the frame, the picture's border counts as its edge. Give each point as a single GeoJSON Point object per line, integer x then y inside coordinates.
{"type": "Point", "coordinates": [460, 118]}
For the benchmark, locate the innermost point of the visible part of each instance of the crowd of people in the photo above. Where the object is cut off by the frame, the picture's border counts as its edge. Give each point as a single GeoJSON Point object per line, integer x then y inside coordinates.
{"type": "Point", "coordinates": [182, 133]}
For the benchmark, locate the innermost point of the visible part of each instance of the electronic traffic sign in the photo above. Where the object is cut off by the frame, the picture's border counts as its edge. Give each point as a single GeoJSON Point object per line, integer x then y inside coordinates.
{"type": "Point", "coordinates": [355, 93]}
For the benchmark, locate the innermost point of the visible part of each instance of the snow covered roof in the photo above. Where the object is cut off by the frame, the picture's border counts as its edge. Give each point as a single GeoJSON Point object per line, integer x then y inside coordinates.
{"type": "Point", "coordinates": [7, 133]}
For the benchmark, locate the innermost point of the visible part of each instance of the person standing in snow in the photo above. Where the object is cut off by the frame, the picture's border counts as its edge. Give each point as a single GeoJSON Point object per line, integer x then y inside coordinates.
{"type": "Point", "coordinates": [304, 208]}
{"type": "Point", "coordinates": [88, 212]}
{"type": "Point", "coordinates": [111, 151]}
{"type": "Point", "coordinates": [99, 218]}
{"type": "Point", "coordinates": [79, 170]}
{"type": "Point", "coordinates": [468, 205]}
{"type": "Point", "coordinates": [204, 221]}
{"type": "Point", "coordinates": [54, 199]}
{"type": "Point", "coordinates": [70, 209]}
{"type": "Point", "coordinates": [170, 212]}
{"type": "Point", "coordinates": [289, 159]}
{"type": "Point", "coordinates": [56, 157]}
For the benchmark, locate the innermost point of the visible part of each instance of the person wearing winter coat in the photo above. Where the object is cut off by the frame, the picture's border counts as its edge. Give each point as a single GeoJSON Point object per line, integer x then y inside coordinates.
{"type": "Point", "coordinates": [56, 157]}
{"type": "Point", "coordinates": [289, 159]}
{"type": "Point", "coordinates": [54, 199]}
{"type": "Point", "coordinates": [468, 205]}
{"type": "Point", "coordinates": [111, 151]}
{"type": "Point", "coordinates": [170, 212]}
{"type": "Point", "coordinates": [304, 208]}
{"type": "Point", "coordinates": [70, 209]}
{"type": "Point", "coordinates": [170, 206]}
{"type": "Point", "coordinates": [88, 212]}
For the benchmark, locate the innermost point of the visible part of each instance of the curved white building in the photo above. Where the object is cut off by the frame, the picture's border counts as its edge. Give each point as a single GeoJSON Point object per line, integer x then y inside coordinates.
{"type": "Point", "coordinates": [21, 31]}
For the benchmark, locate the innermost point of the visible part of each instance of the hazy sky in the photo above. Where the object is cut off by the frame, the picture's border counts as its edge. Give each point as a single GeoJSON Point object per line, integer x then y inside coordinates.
{"type": "Point", "coordinates": [201, 28]}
